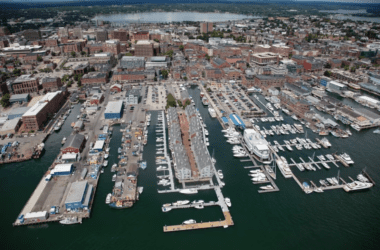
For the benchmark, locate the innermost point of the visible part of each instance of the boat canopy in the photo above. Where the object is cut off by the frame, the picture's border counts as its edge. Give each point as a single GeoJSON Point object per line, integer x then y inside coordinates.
{"type": "Point", "coordinates": [237, 120]}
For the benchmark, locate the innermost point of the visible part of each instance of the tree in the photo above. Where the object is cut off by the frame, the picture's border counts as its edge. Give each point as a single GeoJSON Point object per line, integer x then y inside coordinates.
{"type": "Point", "coordinates": [179, 103]}
{"type": "Point", "coordinates": [53, 53]}
{"type": "Point", "coordinates": [185, 78]}
{"type": "Point", "coordinates": [82, 53]}
{"type": "Point", "coordinates": [328, 66]}
{"type": "Point", "coordinates": [169, 53]}
{"type": "Point", "coordinates": [17, 72]}
{"type": "Point", "coordinates": [155, 79]}
{"type": "Point", "coordinates": [164, 73]}
{"type": "Point", "coordinates": [207, 57]}
{"type": "Point", "coordinates": [156, 40]}
{"type": "Point", "coordinates": [5, 100]}
{"type": "Point", "coordinates": [73, 54]}
{"type": "Point", "coordinates": [128, 54]}
{"type": "Point", "coordinates": [327, 73]}
{"type": "Point", "coordinates": [181, 47]}
{"type": "Point", "coordinates": [39, 58]}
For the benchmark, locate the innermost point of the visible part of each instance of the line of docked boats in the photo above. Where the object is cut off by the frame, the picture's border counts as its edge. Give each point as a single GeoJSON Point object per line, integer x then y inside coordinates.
{"type": "Point", "coordinates": [284, 129]}
{"type": "Point", "coordinates": [299, 143]}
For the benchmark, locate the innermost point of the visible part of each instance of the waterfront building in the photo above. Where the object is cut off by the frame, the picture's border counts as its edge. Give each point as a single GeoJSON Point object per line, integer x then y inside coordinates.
{"type": "Point", "coordinates": [114, 110]}
{"type": "Point", "coordinates": [79, 196]}
{"type": "Point", "coordinates": [34, 118]}
{"type": "Point", "coordinates": [74, 144]}
{"type": "Point", "coordinates": [206, 27]}
{"type": "Point", "coordinates": [24, 84]}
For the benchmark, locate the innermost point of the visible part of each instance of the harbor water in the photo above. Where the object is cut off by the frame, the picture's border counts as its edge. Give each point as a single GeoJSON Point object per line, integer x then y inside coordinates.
{"type": "Point", "coordinates": [288, 219]}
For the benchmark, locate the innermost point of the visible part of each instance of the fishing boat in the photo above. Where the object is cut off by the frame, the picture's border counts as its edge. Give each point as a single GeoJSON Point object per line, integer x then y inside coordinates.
{"type": "Point", "coordinates": [69, 220]}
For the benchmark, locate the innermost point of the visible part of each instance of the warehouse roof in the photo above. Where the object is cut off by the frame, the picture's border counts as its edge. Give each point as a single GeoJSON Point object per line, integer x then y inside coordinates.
{"type": "Point", "coordinates": [18, 97]}
{"type": "Point", "coordinates": [114, 107]}
{"type": "Point", "coordinates": [76, 192]}
{"type": "Point", "coordinates": [74, 141]}
{"type": "Point", "coordinates": [99, 144]}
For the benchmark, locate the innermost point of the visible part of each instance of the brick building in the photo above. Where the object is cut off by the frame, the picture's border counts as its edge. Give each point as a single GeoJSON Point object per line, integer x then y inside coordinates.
{"type": "Point", "coordinates": [264, 59]}
{"type": "Point", "coordinates": [294, 103]}
{"type": "Point", "coordinates": [31, 58]}
{"type": "Point", "coordinates": [4, 31]}
{"type": "Point", "coordinates": [101, 35]}
{"type": "Point", "coordinates": [51, 42]}
{"type": "Point", "coordinates": [69, 47]}
{"type": "Point", "coordinates": [32, 35]}
{"type": "Point", "coordinates": [35, 117]}
{"type": "Point", "coordinates": [266, 81]}
{"type": "Point", "coordinates": [77, 32]}
{"type": "Point", "coordinates": [94, 77]}
{"type": "Point", "coordinates": [4, 43]}
{"type": "Point", "coordinates": [206, 27]}
{"type": "Point", "coordinates": [144, 48]}
{"type": "Point", "coordinates": [129, 76]}
{"type": "Point", "coordinates": [112, 46]}
{"type": "Point", "coordinates": [25, 84]}
{"type": "Point", "coordinates": [51, 83]}
{"type": "Point", "coordinates": [74, 144]}
{"type": "Point", "coordinates": [120, 35]}
{"type": "Point", "coordinates": [219, 63]}
{"type": "Point", "coordinates": [141, 35]}
{"type": "Point", "coordinates": [213, 73]}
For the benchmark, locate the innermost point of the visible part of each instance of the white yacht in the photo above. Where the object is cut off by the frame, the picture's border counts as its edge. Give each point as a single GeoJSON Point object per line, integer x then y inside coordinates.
{"type": "Point", "coordinates": [220, 174]}
{"type": "Point", "coordinates": [178, 203]}
{"type": "Point", "coordinates": [357, 185]}
{"type": "Point", "coordinates": [198, 201]}
{"type": "Point", "coordinates": [106, 156]}
{"type": "Point", "coordinates": [346, 158]}
{"type": "Point", "coordinates": [267, 187]}
{"type": "Point", "coordinates": [199, 206]}
{"type": "Point", "coordinates": [256, 144]}
{"type": "Point", "coordinates": [166, 209]}
{"type": "Point", "coordinates": [227, 201]}
{"type": "Point", "coordinates": [212, 112]}
{"type": "Point", "coordinates": [114, 177]}
{"type": "Point", "coordinates": [105, 163]}
{"type": "Point", "coordinates": [187, 222]}
{"type": "Point", "coordinates": [189, 191]}
{"type": "Point", "coordinates": [284, 167]}
{"type": "Point", "coordinates": [108, 198]}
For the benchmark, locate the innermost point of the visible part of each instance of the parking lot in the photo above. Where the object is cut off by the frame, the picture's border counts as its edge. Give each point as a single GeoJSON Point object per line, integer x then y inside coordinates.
{"type": "Point", "coordinates": [154, 97]}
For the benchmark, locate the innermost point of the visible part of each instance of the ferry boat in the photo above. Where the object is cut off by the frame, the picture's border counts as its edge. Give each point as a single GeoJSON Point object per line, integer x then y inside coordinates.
{"type": "Point", "coordinates": [357, 185]}
{"type": "Point", "coordinates": [212, 112]}
{"type": "Point", "coordinates": [69, 220]}
{"type": "Point", "coordinates": [257, 145]}
{"type": "Point", "coordinates": [189, 191]}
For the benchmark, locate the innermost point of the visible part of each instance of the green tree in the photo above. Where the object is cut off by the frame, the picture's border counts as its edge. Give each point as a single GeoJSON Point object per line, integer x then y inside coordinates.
{"type": "Point", "coordinates": [5, 100]}
{"type": "Point", "coordinates": [188, 102]}
{"type": "Point", "coordinates": [327, 73]}
{"type": "Point", "coordinates": [185, 78]}
{"type": "Point", "coordinates": [179, 103]}
{"type": "Point", "coordinates": [169, 53]}
{"type": "Point", "coordinates": [156, 40]}
{"type": "Point", "coordinates": [73, 54]}
{"type": "Point", "coordinates": [328, 66]}
{"type": "Point", "coordinates": [164, 73]}
{"type": "Point", "coordinates": [53, 53]}
{"type": "Point", "coordinates": [39, 58]}
{"type": "Point", "coordinates": [181, 47]}
{"type": "Point", "coordinates": [128, 54]}
{"type": "Point", "coordinates": [155, 79]}
{"type": "Point", "coordinates": [83, 53]}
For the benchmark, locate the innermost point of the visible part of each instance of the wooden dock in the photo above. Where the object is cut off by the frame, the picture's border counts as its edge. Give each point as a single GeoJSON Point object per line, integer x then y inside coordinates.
{"type": "Point", "coordinates": [341, 160]}
{"type": "Point", "coordinates": [203, 225]}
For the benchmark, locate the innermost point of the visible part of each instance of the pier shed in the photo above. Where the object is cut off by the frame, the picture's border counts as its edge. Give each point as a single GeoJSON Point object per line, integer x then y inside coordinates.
{"type": "Point", "coordinates": [237, 121]}
{"type": "Point", "coordinates": [79, 196]}
{"type": "Point", "coordinates": [114, 110]}
{"type": "Point", "coordinates": [62, 169]}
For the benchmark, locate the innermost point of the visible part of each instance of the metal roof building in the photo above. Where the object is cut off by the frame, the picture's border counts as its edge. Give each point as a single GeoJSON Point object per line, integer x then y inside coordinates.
{"type": "Point", "coordinates": [114, 110]}
{"type": "Point", "coordinates": [237, 120]}
{"type": "Point", "coordinates": [19, 98]}
{"type": "Point", "coordinates": [17, 112]}
{"type": "Point", "coordinates": [79, 196]}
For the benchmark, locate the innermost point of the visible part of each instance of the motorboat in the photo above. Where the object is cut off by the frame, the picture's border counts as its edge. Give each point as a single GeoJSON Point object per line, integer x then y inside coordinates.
{"type": "Point", "coordinates": [179, 203]}
{"type": "Point", "coordinates": [233, 141]}
{"type": "Point", "coordinates": [187, 222]}
{"type": "Point", "coordinates": [189, 191]}
{"type": "Point", "coordinates": [330, 157]}
{"type": "Point", "coordinates": [346, 158]}
{"type": "Point", "coordinates": [220, 174]}
{"type": "Point", "coordinates": [227, 201]}
{"type": "Point", "coordinates": [306, 188]}
{"type": "Point", "coordinates": [198, 201]}
{"type": "Point", "coordinates": [212, 112]}
{"type": "Point", "coordinates": [267, 187]}
{"type": "Point", "coordinates": [114, 177]}
{"type": "Point", "coordinates": [119, 150]}
{"type": "Point", "coordinates": [105, 163]}
{"type": "Point", "coordinates": [357, 185]}
{"type": "Point", "coordinates": [256, 171]}
{"type": "Point", "coordinates": [362, 178]}
{"type": "Point", "coordinates": [140, 189]}
{"type": "Point", "coordinates": [259, 179]}
{"type": "Point", "coordinates": [284, 167]}
{"type": "Point", "coordinates": [166, 209]}
{"type": "Point", "coordinates": [240, 155]}
{"type": "Point", "coordinates": [318, 190]}
{"type": "Point", "coordinates": [167, 205]}
{"type": "Point", "coordinates": [108, 198]}
{"type": "Point", "coordinates": [256, 144]}
{"type": "Point", "coordinates": [63, 140]}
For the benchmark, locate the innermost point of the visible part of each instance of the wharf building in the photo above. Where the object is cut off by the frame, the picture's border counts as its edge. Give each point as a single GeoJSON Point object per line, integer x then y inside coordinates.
{"type": "Point", "coordinates": [74, 144]}
{"type": "Point", "coordinates": [181, 161]}
{"type": "Point", "coordinates": [114, 110]}
{"type": "Point", "coordinates": [34, 118]}
{"type": "Point", "coordinates": [79, 196]}
{"type": "Point", "coordinates": [294, 103]}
